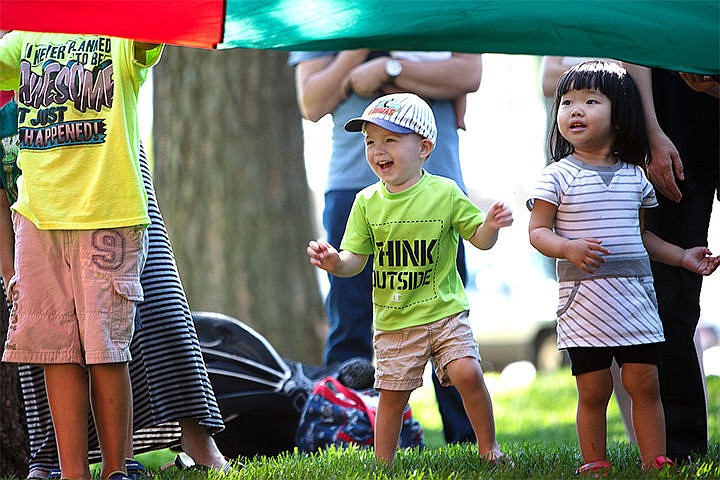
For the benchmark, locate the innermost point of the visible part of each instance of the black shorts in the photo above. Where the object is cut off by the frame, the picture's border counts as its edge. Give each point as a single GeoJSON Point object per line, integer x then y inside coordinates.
{"type": "Point", "coordinates": [591, 359]}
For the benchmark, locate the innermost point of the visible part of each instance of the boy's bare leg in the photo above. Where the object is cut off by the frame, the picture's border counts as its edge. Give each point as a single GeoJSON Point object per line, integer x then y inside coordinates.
{"type": "Point", "coordinates": [111, 397]}
{"type": "Point", "coordinates": [67, 391]}
{"type": "Point", "coordinates": [129, 450]}
{"type": "Point", "coordinates": [388, 423]}
{"type": "Point", "coordinates": [466, 374]}
{"type": "Point", "coordinates": [594, 390]}
{"type": "Point", "coordinates": [197, 442]}
{"type": "Point", "coordinates": [642, 383]}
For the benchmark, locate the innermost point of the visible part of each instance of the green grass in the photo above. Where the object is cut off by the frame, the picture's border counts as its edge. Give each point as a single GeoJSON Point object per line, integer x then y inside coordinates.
{"type": "Point", "coordinates": [535, 426]}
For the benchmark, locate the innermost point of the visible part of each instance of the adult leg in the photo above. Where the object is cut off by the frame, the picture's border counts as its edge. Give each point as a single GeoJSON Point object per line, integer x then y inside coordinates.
{"type": "Point", "coordinates": [167, 330]}
{"type": "Point", "coordinates": [388, 423]}
{"type": "Point", "coordinates": [456, 425]}
{"type": "Point", "coordinates": [594, 390]}
{"type": "Point", "coordinates": [624, 402]}
{"type": "Point", "coordinates": [67, 391]}
{"type": "Point", "coordinates": [691, 120]}
{"type": "Point", "coordinates": [199, 444]}
{"type": "Point", "coordinates": [678, 292]}
{"type": "Point", "coordinates": [466, 374]}
{"type": "Point", "coordinates": [111, 398]}
{"type": "Point", "coordinates": [349, 301]}
{"type": "Point", "coordinates": [641, 382]}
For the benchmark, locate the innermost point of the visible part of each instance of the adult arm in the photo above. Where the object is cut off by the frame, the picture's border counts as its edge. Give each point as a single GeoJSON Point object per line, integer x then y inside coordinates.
{"type": "Point", "coordinates": [665, 166]}
{"type": "Point", "coordinates": [438, 80]}
{"type": "Point", "coordinates": [552, 68]}
{"type": "Point", "coordinates": [319, 82]}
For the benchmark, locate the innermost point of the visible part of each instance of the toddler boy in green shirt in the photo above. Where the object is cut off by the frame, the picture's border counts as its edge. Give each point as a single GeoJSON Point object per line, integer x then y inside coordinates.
{"type": "Point", "coordinates": [411, 222]}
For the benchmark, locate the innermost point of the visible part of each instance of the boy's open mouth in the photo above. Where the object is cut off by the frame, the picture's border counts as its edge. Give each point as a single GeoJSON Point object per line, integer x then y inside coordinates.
{"type": "Point", "coordinates": [384, 164]}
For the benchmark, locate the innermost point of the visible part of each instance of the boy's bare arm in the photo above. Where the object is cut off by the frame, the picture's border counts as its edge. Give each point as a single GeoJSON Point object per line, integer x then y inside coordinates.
{"type": "Point", "coordinates": [341, 264]}
{"type": "Point", "coordinates": [499, 216]}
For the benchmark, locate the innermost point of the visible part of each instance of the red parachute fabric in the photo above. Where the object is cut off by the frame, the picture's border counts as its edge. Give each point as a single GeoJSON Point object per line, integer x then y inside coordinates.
{"type": "Point", "coordinates": [191, 23]}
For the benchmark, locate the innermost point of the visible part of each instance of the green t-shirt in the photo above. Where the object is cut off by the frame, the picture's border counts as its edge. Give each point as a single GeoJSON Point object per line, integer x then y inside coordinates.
{"type": "Point", "coordinates": [413, 236]}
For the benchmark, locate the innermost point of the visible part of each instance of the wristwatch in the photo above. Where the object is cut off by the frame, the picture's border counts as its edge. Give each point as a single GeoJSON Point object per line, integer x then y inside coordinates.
{"type": "Point", "coordinates": [393, 68]}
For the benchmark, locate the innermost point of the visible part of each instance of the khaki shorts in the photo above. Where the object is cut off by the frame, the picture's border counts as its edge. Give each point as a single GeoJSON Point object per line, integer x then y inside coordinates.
{"type": "Point", "coordinates": [74, 294]}
{"type": "Point", "coordinates": [401, 355]}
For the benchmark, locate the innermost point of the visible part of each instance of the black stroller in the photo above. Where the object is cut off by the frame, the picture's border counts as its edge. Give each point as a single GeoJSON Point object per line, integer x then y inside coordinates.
{"type": "Point", "coordinates": [260, 394]}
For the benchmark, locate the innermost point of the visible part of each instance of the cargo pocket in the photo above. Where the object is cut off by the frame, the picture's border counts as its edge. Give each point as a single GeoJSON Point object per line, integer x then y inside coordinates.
{"type": "Point", "coordinates": [129, 293]}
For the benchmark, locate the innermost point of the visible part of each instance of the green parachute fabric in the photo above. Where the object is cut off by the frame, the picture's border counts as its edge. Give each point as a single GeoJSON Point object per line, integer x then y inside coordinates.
{"type": "Point", "coordinates": [674, 34]}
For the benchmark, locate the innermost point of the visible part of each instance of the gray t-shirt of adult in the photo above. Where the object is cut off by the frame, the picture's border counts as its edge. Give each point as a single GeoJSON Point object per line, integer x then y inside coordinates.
{"type": "Point", "coordinates": [349, 169]}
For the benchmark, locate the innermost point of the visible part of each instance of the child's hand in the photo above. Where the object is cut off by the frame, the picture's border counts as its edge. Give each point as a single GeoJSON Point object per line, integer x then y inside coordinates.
{"type": "Point", "coordinates": [699, 260]}
{"type": "Point", "coordinates": [585, 253]}
{"type": "Point", "coordinates": [323, 255]}
{"type": "Point", "coordinates": [499, 216]}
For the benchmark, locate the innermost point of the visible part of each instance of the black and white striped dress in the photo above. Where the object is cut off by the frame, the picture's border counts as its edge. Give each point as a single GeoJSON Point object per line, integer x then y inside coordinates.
{"type": "Point", "coordinates": [616, 304]}
{"type": "Point", "coordinates": [168, 374]}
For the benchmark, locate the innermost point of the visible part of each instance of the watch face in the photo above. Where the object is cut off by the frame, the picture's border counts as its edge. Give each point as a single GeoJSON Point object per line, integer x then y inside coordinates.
{"type": "Point", "coordinates": [393, 68]}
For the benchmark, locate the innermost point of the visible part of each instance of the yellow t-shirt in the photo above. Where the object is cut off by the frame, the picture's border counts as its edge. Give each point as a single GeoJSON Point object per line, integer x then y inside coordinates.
{"type": "Point", "coordinates": [78, 129]}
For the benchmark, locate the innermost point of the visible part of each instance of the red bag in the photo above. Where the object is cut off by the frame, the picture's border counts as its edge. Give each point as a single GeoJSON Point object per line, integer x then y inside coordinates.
{"type": "Point", "coordinates": [338, 415]}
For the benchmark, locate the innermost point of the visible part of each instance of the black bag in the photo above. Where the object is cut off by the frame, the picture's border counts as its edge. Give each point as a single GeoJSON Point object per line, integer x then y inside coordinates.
{"type": "Point", "coordinates": [260, 394]}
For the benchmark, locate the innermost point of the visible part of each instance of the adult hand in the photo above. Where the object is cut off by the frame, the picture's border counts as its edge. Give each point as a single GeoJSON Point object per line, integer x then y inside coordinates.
{"type": "Point", "coordinates": [702, 83]}
{"type": "Point", "coordinates": [367, 79]}
{"type": "Point", "coordinates": [665, 166]}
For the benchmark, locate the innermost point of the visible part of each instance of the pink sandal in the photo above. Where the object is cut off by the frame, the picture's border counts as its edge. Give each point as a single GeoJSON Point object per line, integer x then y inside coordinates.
{"type": "Point", "coordinates": [596, 469]}
{"type": "Point", "coordinates": [659, 463]}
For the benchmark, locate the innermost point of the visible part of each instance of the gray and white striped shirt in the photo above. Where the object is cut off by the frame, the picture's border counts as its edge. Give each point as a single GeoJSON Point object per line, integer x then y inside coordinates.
{"type": "Point", "coordinates": [599, 202]}
{"type": "Point", "coordinates": [616, 304]}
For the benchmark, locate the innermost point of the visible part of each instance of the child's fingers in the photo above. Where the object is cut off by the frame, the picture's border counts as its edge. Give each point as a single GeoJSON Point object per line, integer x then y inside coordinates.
{"type": "Point", "coordinates": [500, 207]}
{"type": "Point", "coordinates": [596, 245]}
{"type": "Point", "coordinates": [317, 251]}
{"type": "Point", "coordinates": [500, 214]}
{"type": "Point", "coordinates": [313, 248]}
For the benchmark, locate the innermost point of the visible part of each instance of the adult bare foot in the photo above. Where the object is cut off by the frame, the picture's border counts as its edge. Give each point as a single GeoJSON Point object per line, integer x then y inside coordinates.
{"type": "Point", "coordinates": [199, 445]}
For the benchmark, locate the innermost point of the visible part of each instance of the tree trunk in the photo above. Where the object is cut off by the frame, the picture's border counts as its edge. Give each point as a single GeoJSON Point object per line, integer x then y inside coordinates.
{"type": "Point", "coordinates": [14, 446]}
{"type": "Point", "coordinates": [231, 184]}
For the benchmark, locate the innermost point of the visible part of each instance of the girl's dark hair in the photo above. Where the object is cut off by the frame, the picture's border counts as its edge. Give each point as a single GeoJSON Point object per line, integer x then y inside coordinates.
{"type": "Point", "coordinates": [613, 81]}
